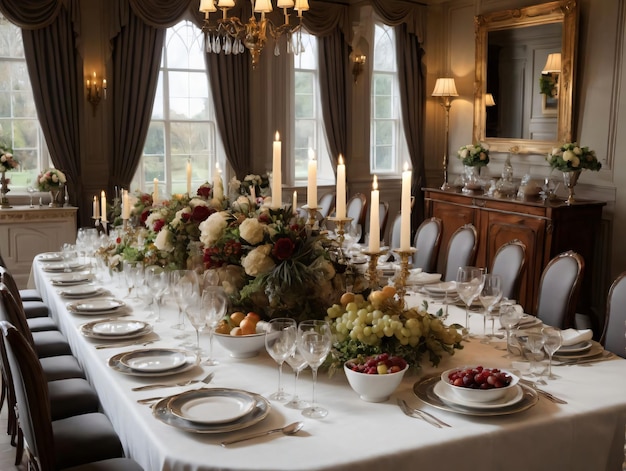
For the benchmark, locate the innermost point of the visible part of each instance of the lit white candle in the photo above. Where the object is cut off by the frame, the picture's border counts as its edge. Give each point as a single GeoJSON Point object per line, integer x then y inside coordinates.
{"type": "Point", "coordinates": [312, 181]}
{"type": "Point", "coordinates": [341, 188]}
{"type": "Point", "coordinates": [253, 192]}
{"type": "Point", "coordinates": [189, 177]}
{"type": "Point", "coordinates": [155, 191]}
{"type": "Point", "coordinates": [96, 208]}
{"type": "Point", "coordinates": [125, 205]}
{"type": "Point", "coordinates": [405, 209]}
{"type": "Point", "coordinates": [218, 184]}
{"type": "Point", "coordinates": [277, 176]}
{"type": "Point", "coordinates": [294, 203]}
{"type": "Point", "coordinates": [374, 243]}
{"type": "Point", "coordinates": [103, 206]}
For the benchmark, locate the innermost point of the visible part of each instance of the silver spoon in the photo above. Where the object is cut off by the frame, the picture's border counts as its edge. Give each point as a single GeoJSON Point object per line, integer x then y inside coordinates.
{"type": "Point", "coordinates": [290, 429]}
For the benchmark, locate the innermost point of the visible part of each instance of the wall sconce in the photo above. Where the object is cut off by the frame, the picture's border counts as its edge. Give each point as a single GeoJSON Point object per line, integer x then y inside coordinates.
{"type": "Point", "coordinates": [96, 90]}
{"type": "Point", "coordinates": [489, 101]}
{"type": "Point", "coordinates": [445, 88]}
{"type": "Point", "coordinates": [357, 65]}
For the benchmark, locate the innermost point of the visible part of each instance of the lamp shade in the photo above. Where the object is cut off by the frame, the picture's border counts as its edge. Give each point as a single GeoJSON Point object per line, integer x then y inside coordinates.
{"type": "Point", "coordinates": [226, 3]}
{"type": "Point", "coordinates": [263, 6]}
{"type": "Point", "coordinates": [445, 87]}
{"type": "Point", "coordinates": [207, 6]}
{"type": "Point", "coordinates": [285, 4]}
{"type": "Point", "coordinates": [489, 101]}
{"type": "Point", "coordinates": [553, 64]}
{"type": "Point", "coordinates": [301, 5]}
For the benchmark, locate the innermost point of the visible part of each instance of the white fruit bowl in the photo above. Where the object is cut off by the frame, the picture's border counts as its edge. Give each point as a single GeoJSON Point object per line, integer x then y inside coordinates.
{"type": "Point", "coordinates": [478, 395]}
{"type": "Point", "coordinates": [242, 346]}
{"type": "Point", "coordinates": [374, 387]}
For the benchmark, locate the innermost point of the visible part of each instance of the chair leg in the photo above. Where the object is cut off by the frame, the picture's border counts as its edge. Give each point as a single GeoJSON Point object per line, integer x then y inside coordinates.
{"type": "Point", "coordinates": [4, 393]}
{"type": "Point", "coordinates": [19, 449]}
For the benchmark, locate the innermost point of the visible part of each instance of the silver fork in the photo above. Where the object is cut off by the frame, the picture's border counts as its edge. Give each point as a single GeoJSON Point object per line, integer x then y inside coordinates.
{"type": "Point", "coordinates": [150, 400]}
{"type": "Point", "coordinates": [420, 414]}
{"type": "Point", "coordinates": [172, 384]}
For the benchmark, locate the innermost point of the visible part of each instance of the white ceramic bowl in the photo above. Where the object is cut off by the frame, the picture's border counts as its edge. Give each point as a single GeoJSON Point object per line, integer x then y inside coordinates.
{"type": "Point", "coordinates": [375, 387]}
{"type": "Point", "coordinates": [478, 395]}
{"type": "Point", "coordinates": [242, 346]}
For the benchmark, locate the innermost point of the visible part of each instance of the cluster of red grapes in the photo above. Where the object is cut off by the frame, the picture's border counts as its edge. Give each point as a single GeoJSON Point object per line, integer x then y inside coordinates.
{"type": "Point", "coordinates": [480, 378]}
{"type": "Point", "coordinates": [377, 365]}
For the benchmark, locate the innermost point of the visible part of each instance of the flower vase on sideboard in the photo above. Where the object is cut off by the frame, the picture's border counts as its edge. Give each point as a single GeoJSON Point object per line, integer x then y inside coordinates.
{"type": "Point", "coordinates": [54, 198]}
{"type": "Point", "coordinates": [569, 180]}
{"type": "Point", "coordinates": [471, 179]}
{"type": "Point", "coordinates": [4, 189]}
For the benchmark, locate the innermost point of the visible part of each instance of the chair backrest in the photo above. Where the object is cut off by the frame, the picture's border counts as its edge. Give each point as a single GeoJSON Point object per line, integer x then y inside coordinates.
{"type": "Point", "coordinates": [13, 310]}
{"type": "Point", "coordinates": [394, 232]}
{"type": "Point", "coordinates": [427, 242]}
{"type": "Point", "coordinates": [7, 279]}
{"type": "Point", "coordinates": [613, 335]}
{"type": "Point", "coordinates": [356, 209]}
{"type": "Point", "coordinates": [509, 263]}
{"type": "Point", "coordinates": [383, 216]}
{"type": "Point", "coordinates": [461, 251]}
{"type": "Point", "coordinates": [31, 393]}
{"type": "Point", "coordinates": [559, 288]}
{"type": "Point", "coordinates": [325, 204]}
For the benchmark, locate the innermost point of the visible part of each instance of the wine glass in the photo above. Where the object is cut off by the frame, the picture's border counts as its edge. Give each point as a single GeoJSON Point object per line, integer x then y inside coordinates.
{"type": "Point", "coordinates": [314, 342]}
{"type": "Point", "coordinates": [130, 270]}
{"type": "Point", "coordinates": [183, 283]}
{"type": "Point", "coordinates": [31, 192]}
{"type": "Point", "coordinates": [215, 303]}
{"type": "Point", "coordinates": [469, 284]}
{"type": "Point", "coordinates": [297, 363]}
{"type": "Point", "coordinates": [509, 318]}
{"type": "Point", "coordinates": [534, 343]}
{"type": "Point", "coordinates": [197, 317]}
{"type": "Point", "coordinates": [158, 280]}
{"type": "Point", "coordinates": [552, 341]}
{"type": "Point", "coordinates": [489, 297]}
{"type": "Point", "coordinates": [280, 343]}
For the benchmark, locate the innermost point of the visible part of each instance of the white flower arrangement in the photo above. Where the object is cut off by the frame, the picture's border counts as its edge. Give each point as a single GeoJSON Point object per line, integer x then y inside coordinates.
{"type": "Point", "coordinates": [7, 161]}
{"type": "Point", "coordinates": [50, 179]}
{"type": "Point", "coordinates": [474, 155]}
{"type": "Point", "coordinates": [571, 156]}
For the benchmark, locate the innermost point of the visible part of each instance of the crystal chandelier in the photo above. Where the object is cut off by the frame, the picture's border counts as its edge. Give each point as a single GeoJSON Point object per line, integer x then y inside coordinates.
{"type": "Point", "coordinates": [229, 35]}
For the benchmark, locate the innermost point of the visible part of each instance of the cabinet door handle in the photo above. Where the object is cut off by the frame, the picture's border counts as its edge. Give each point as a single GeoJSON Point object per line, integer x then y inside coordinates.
{"type": "Point", "coordinates": [479, 203]}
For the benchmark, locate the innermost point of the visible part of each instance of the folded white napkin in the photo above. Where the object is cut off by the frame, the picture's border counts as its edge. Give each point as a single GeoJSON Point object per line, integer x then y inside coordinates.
{"type": "Point", "coordinates": [573, 336]}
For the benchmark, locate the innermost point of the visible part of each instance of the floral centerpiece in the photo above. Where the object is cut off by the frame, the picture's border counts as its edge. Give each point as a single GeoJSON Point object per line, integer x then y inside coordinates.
{"type": "Point", "coordinates": [381, 324]}
{"type": "Point", "coordinates": [474, 155]}
{"type": "Point", "coordinates": [7, 163]}
{"type": "Point", "coordinates": [51, 180]}
{"type": "Point", "coordinates": [571, 159]}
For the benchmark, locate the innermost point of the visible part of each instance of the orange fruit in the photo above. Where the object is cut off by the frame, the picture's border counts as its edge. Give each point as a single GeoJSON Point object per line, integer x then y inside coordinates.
{"type": "Point", "coordinates": [389, 291]}
{"type": "Point", "coordinates": [253, 316]}
{"type": "Point", "coordinates": [346, 298]}
{"type": "Point", "coordinates": [247, 326]}
{"type": "Point", "coordinates": [236, 331]}
{"type": "Point", "coordinates": [222, 327]}
{"type": "Point", "coordinates": [236, 318]}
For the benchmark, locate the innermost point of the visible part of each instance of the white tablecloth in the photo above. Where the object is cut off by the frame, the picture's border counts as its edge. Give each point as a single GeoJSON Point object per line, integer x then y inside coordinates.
{"type": "Point", "coordinates": [586, 434]}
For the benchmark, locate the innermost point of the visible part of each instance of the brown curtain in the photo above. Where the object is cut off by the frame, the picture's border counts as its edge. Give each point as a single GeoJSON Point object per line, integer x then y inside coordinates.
{"type": "Point", "coordinates": [49, 32]}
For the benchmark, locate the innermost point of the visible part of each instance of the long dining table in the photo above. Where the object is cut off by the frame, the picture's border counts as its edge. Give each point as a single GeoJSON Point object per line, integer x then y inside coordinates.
{"type": "Point", "coordinates": [586, 434]}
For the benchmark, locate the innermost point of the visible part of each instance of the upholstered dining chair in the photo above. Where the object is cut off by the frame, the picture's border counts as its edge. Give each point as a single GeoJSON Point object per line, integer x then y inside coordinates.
{"type": "Point", "coordinates": [427, 242]}
{"type": "Point", "coordinates": [326, 204]}
{"type": "Point", "coordinates": [461, 251]}
{"type": "Point", "coordinates": [613, 333]}
{"type": "Point", "coordinates": [27, 294]}
{"type": "Point", "coordinates": [394, 232]}
{"type": "Point", "coordinates": [356, 208]}
{"type": "Point", "coordinates": [559, 289]}
{"type": "Point", "coordinates": [509, 262]}
{"type": "Point", "coordinates": [383, 217]}
{"type": "Point", "coordinates": [80, 442]}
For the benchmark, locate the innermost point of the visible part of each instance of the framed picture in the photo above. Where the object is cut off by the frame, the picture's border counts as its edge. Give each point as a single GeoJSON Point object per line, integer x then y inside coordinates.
{"type": "Point", "coordinates": [549, 105]}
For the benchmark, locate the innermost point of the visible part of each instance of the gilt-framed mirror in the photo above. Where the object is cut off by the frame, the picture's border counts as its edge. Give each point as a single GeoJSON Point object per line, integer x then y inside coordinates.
{"type": "Point", "coordinates": [522, 102]}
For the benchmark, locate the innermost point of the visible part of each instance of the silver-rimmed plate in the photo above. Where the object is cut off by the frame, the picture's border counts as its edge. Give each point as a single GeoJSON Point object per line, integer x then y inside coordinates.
{"type": "Point", "coordinates": [212, 406]}
{"type": "Point", "coordinates": [260, 411]}
{"type": "Point", "coordinates": [70, 279]}
{"type": "Point", "coordinates": [576, 348]}
{"type": "Point", "coordinates": [154, 360]}
{"type": "Point", "coordinates": [98, 305]}
{"type": "Point", "coordinates": [424, 389]}
{"type": "Point", "coordinates": [595, 351]}
{"type": "Point", "coordinates": [109, 329]}
{"type": "Point", "coordinates": [442, 288]}
{"type": "Point", "coordinates": [58, 267]}
{"type": "Point", "coordinates": [191, 361]}
{"type": "Point", "coordinates": [50, 257]}
{"type": "Point", "coordinates": [81, 291]}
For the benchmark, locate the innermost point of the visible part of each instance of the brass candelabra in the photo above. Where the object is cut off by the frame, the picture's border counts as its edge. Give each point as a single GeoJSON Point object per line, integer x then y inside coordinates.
{"type": "Point", "coordinates": [372, 267]}
{"type": "Point", "coordinates": [340, 230]}
{"type": "Point", "coordinates": [312, 212]}
{"type": "Point", "coordinates": [404, 271]}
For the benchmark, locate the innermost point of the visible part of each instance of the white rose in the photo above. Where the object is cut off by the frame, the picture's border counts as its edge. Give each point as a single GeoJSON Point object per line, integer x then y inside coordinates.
{"type": "Point", "coordinates": [577, 150]}
{"type": "Point", "coordinates": [194, 202]}
{"type": "Point", "coordinates": [556, 151]}
{"type": "Point", "coordinates": [152, 218]}
{"type": "Point", "coordinates": [212, 228]}
{"type": "Point", "coordinates": [55, 178]}
{"type": "Point", "coordinates": [463, 153]}
{"type": "Point", "coordinates": [178, 219]}
{"type": "Point", "coordinates": [568, 155]}
{"type": "Point", "coordinates": [241, 205]}
{"type": "Point", "coordinates": [164, 240]}
{"type": "Point", "coordinates": [252, 231]}
{"type": "Point", "coordinates": [575, 161]}
{"type": "Point", "coordinates": [258, 261]}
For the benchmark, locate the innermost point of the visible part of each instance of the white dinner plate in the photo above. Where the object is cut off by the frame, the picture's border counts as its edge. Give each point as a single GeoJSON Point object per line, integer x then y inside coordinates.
{"type": "Point", "coordinates": [69, 279]}
{"type": "Point", "coordinates": [55, 267]}
{"type": "Point", "coordinates": [212, 406]}
{"type": "Point", "coordinates": [576, 348]}
{"type": "Point", "coordinates": [154, 360]}
{"type": "Point", "coordinates": [423, 278]}
{"type": "Point", "coordinates": [513, 396]}
{"type": "Point", "coordinates": [441, 288]}
{"type": "Point", "coordinates": [117, 330]}
{"type": "Point", "coordinates": [50, 257]}
{"type": "Point", "coordinates": [595, 350]}
{"type": "Point", "coordinates": [98, 305]}
{"type": "Point", "coordinates": [81, 291]}
{"type": "Point", "coordinates": [260, 411]}
{"type": "Point", "coordinates": [191, 361]}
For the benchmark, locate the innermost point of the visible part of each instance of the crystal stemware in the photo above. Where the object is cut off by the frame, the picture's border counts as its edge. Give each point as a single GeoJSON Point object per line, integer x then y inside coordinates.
{"type": "Point", "coordinates": [215, 303]}
{"type": "Point", "coordinates": [534, 343]}
{"type": "Point", "coordinates": [552, 341]}
{"type": "Point", "coordinates": [158, 281]}
{"type": "Point", "coordinates": [509, 318]}
{"type": "Point", "coordinates": [183, 284]}
{"type": "Point", "coordinates": [489, 297]}
{"type": "Point", "coordinates": [297, 363]}
{"type": "Point", "coordinates": [469, 284]}
{"type": "Point", "coordinates": [314, 341]}
{"type": "Point", "coordinates": [196, 314]}
{"type": "Point", "coordinates": [280, 343]}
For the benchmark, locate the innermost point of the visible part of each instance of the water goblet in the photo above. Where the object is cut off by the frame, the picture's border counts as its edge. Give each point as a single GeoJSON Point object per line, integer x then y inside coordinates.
{"type": "Point", "coordinates": [130, 270]}
{"type": "Point", "coordinates": [469, 284]}
{"type": "Point", "coordinates": [314, 342]}
{"type": "Point", "coordinates": [183, 283]}
{"type": "Point", "coordinates": [534, 344]}
{"type": "Point", "coordinates": [489, 297]}
{"type": "Point", "coordinates": [297, 363]}
{"type": "Point", "coordinates": [552, 341]}
{"type": "Point", "coordinates": [509, 318]}
{"type": "Point", "coordinates": [158, 280]}
{"type": "Point", "coordinates": [280, 343]}
{"type": "Point", "coordinates": [31, 192]}
{"type": "Point", "coordinates": [215, 302]}
{"type": "Point", "coordinates": [196, 314]}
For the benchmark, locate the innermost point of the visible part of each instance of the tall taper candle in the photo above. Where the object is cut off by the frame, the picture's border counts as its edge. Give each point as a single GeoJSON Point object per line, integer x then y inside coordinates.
{"type": "Point", "coordinates": [341, 188]}
{"type": "Point", "coordinates": [374, 245]}
{"type": "Point", "coordinates": [277, 174]}
{"type": "Point", "coordinates": [294, 203]}
{"type": "Point", "coordinates": [96, 208]}
{"type": "Point", "coordinates": [155, 191]}
{"type": "Point", "coordinates": [218, 184]}
{"type": "Point", "coordinates": [405, 208]}
{"type": "Point", "coordinates": [189, 177]}
{"type": "Point", "coordinates": [103, 206]}
{"type": "Point", "coordinates": [125, 205]}
{"type": "Point", "coordinates": [312, 181]}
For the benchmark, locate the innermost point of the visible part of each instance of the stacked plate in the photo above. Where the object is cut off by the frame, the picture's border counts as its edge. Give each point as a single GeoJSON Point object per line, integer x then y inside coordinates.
{"type": "Point", "coordinates": [432, 391]}
{"type": "Point", "coordinates": [60, 267]}
{"type": "Point", "coordinates": [71, 279]}
{"type": "Point", "coordinates": [214, 410]}
{"type": "Point", "coordinates": [115, 329]}
{"type": "Point", "coordinates": [81, 291]}
{"type": "Point", "coordinates": [419, 278]}
{"type": "Point", "coordinates": [440, 291]}
{"type": "Point", "coordinates": [587, 349]}
{"type": "Point", "coordinates": [50, 257]}
{"type": "Point", "coordinates": [97, 307]}
{"type": "Point", "coordinates": [153, 362]}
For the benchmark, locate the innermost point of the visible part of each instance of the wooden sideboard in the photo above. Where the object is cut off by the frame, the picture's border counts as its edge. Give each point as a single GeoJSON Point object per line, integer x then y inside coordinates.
{"type": "Point", "coordinates": [26, 231]}
{"type": "Point", "coordinates": [547, 228]}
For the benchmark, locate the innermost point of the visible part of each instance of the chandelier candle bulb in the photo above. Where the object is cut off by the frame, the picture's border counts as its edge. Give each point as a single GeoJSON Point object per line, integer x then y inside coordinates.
{"type": "Point", "coordinates": [405, 209]}
{"type": "Point", "coordinates": [96, 208]}
{"type": "Point", "coordinates": [125, 206]}
{"type": "Point", "coordinates": [341, 188]}
{"type": "Point", "coordinates": [312, 181]}
{"type": "Point", "coordinates": [155, 191]}
{"type": "Point", "coordinates": [277, 175]}
{"type": "Point", "coordinates": [374, 244]}
{"type": "Point", "coordinates": [103, 206]}
{"type": "Point", "coordinates": [189, 177]}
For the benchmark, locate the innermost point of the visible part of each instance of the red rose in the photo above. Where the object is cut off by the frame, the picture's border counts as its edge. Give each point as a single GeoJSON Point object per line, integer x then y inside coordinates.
{"type": "Point", "coordinates": [158, 225]}
{"type": "Point", "coordinates": [283, 248]}
{"type": "Point", "coordinates": [265, 218]}
{"type": "Point", "coordinates": [144, 216]}
{"type": "Point", "coordinates": [205, 191]}
{"type": "Point", "coordinates": [200, 213]}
